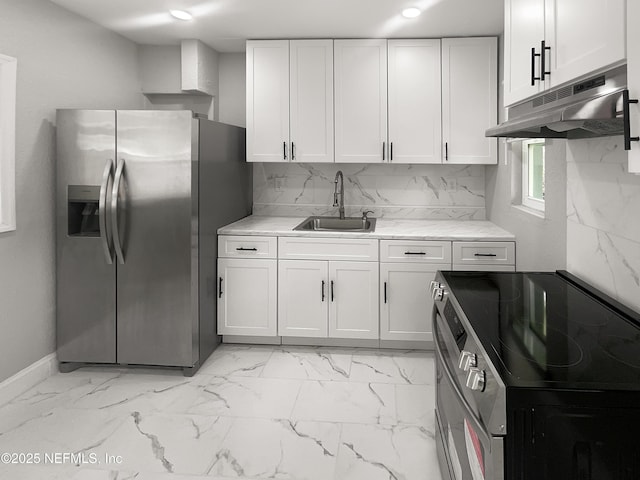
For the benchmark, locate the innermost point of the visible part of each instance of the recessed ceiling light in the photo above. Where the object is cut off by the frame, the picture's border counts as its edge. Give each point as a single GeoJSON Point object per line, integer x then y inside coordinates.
{"type": "Point", "coordinates": [181, 14]}
{"type": "Point", "coordinates": [411, 12]}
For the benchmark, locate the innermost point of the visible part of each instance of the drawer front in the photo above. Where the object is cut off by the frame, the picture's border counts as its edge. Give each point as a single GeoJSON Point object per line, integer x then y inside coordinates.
{"type": "Point", "coordinates": [305, 248]}
{"type": "Point", "coordinates": [484, 253]}
{"type": "Point", "coordinates": [415, 251]}
{"type": "Point", "coordinates": [247, 246]}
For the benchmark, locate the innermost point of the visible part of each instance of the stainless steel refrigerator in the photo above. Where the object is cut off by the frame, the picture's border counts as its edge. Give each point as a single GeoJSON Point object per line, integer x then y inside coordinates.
{"type": "Point", "coordinates": [140, 195]}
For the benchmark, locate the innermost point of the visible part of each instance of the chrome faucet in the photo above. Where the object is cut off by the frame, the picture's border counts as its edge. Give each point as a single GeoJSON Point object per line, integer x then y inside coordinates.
{"type": "Point", "coordinates": [340, 204]}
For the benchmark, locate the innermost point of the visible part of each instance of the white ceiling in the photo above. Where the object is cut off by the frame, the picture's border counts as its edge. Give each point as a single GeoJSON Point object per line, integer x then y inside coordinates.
{"type": "Point", "coordinates": [226, 24]}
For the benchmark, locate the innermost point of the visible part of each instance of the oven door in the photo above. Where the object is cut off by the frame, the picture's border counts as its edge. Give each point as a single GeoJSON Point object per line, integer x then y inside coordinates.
{"type": "Point", "coordinates": [466, 451]}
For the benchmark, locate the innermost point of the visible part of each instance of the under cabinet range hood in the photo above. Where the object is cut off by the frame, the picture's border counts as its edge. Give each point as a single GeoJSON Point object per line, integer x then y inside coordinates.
{"type": "Point", "coordinates": [595, 107]}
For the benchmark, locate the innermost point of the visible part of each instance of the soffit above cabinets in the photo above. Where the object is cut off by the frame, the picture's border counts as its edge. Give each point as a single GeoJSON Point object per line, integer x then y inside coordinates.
{"type": "Point", "coordinates": [225, 25]}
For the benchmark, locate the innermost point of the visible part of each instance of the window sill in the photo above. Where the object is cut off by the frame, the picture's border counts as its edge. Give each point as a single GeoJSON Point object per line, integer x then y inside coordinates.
{"type": "Point", "coordinates": [529, 211]}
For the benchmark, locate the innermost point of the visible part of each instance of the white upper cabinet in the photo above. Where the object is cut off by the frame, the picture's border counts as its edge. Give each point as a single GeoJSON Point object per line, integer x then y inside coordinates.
{"type": "Point", "coordinates": [469, 99]}
{"type": "Point", "coordinates": [633, 81]}
{"type": "Point", "coordinates": [311, 100]}
{"type": "Point", "coordinates": [360, 101]}
{"type": "Point", "coordinates": [574, 38]}
{"type": "Point", "coordinates": [290, 101]}
{"type": "Point", "coordinates": [415, 124]}
{"type": "Point", "coordinates": [523, 31]}
{"type": "Point", "coordinates": [267, 100]}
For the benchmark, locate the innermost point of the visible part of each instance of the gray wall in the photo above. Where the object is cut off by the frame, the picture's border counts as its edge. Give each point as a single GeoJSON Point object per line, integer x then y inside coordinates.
{"type": "Point", "coordinates": [541, 242]}
{"type": "Point", "coordinates": [232, 80]}
{"type": "Point", "coordinates": [64, 61]}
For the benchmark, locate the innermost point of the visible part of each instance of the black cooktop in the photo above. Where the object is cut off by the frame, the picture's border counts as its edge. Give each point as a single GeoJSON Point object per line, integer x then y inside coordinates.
{"type": "Point", "coordinates": [550, 330]}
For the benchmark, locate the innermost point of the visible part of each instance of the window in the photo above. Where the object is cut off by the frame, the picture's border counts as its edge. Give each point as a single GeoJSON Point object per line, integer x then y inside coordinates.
{"type": "Point", "coordinates": [533, 174]}
{"type": "Point", "coordinates": [7, 143]}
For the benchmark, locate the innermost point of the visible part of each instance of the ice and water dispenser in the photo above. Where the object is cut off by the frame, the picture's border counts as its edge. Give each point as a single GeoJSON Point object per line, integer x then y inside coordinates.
{"type": "Point", "coordinates": [82, 210]}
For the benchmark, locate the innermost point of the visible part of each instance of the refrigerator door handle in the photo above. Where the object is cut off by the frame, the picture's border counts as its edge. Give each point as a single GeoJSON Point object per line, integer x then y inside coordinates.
{"type": "Point", "coordinates": [105, 234]}
{"type": "Point", "coordinates": [117, 243]}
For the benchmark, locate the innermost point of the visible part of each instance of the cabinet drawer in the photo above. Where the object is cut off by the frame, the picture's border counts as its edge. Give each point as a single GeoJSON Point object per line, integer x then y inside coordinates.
{"type": "Point", "coordinates": [305, 248]}
{"type": "Point", "coordinates": [247, 246]}
{"type": "Point", "coordinates": [484, 253]}
{"type": "Point", "coordinates": [415, 251]}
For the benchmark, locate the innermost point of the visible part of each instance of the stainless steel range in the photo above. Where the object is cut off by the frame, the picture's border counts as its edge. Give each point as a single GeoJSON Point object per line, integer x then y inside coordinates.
{"type": "Point", "coordinates": [538, 377]}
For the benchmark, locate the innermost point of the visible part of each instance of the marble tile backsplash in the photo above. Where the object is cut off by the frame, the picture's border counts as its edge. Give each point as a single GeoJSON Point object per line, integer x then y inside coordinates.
{"type": "Point", "coordinates": [603, 224]}
{"type": "Point", "coordinates": [392, 191]}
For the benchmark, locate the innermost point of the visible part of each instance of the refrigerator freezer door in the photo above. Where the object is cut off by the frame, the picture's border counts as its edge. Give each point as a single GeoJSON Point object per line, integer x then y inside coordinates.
{"type": "Point", "coordinates": [86, 282]}
{"type": "Point", "coordinates": [157, 229]}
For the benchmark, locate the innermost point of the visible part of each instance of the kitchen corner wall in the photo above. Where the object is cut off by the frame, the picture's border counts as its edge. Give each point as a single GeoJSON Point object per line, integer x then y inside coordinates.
{"type": "Point", "coordinates": [396, 191]}
{"type": "Point", "coordinates": [603, 218]}
{"type": "Point", "coordinates": [64, 61]}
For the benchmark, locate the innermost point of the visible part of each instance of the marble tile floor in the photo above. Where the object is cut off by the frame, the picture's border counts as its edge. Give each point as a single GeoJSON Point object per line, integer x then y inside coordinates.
{"type": "Point", "coordinates": [251, 412]}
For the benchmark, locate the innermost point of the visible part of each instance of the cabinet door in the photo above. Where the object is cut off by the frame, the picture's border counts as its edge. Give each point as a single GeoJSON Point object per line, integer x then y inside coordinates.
{"type": "Point", "coordinates": [353, 295]}
{"type": "Point", "coordinates": [303, 298]}
{"type": "Point", "coordinates": [311, 100]}
{"type": "Point", "coordinates": [405, 302]}
{"type": "Point", "coordinates": [360, 100]}
{"type": "Point", "coordinates": [415, 123]}
{"type": "Point", "coordinates": [583, 36]}
{"type": "Point", "coordinates": [247, 297]}
{"type": "Point", "coordinates": [267, 100]}
{"type": "Point", "coordinates": [633, 79]}
{"type": "Point", "coordinates": [469, 99]}
{"type": "Point", "coordinates": [523, 30]}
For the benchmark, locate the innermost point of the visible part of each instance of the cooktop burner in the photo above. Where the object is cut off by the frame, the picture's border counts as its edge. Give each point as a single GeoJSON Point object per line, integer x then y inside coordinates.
{"type": "Point", "coordinates": [540, 329]}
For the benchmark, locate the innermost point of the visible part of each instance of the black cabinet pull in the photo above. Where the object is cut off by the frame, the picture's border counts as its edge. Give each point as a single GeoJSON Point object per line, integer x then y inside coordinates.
{"type": "Point", "coordinates": [446, 151]}
{"type": "Point", "coordinates": [384, 147]}
{"type": "Point", "coordinates": [242, 249]}
{"type": "Point", "coordinates": [533, 66]}
{"type": "Point", "coordinates": [293, 151]}
{"type": "Point", "coordinates": [220, 288]}
{"type": "Point", "coordinates": [626, 101]}
{"type": "Point", "coordinates": [543, 56]}
{"type": "Point", "coordinates": [332, 290]}
{"type": "Point", "coordinates": [323, 290]}
{"type": "Point", "coordinates": [284, 150]}
{"type": "Point", "coordinates": [391, 152]}
{"type": "Point", "coordinates": [484, 255]}
{"type": "Point", "coordinates": [414, 253]}
{"type": "Point", "coordinates": [385, 292]}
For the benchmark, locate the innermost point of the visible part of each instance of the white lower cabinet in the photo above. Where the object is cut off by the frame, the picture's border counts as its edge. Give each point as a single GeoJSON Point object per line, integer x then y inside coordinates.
{"type": "Point", "coordinates": [333, 299]}
{"type": "Point", "coordinates": [405, 302]}
{"type": "Point", "coordinates": [353, 295]}
{"type": "Point", "coordinates": [302, 298]}
{"type": "Point", "coordinates": [247, 297]}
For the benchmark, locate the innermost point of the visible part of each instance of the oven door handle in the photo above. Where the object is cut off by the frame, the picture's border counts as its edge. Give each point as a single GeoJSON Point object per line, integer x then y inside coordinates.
{"type": "Point", "coordinates": [454, 384]}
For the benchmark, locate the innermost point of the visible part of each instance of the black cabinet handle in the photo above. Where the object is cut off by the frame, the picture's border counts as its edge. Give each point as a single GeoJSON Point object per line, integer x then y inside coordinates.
{"type": "Point", "coordinates": [543, 57]}
{"type": "Point", "coordinates": [484, 255]}
{"type": "Point", "coordinates": [446, 151]}
{"type": "Point", "coordinates": [242, 249]}
{"type": "Point", "coordinates": [293, 151]}
{"type": "Point", "coordinates": [332, 290]}
{"type": "Point", "coordinates": [384, 147]}
{"type": "Point", "coordinates": [533, 66]}
{"type": "Point", "coordinates": [323, 290]}
{"type": "Point", "coordinates": [284, 150]}
{"type": "Point", "coordinates": [391, 152]}
{"type": "Point", "coordinates": [414, 253]}
{"type": "Point", "coordinates": [385, 292]}
{"type": "Point", "coordinates": [626, 101]}
{"type": "Point", "coordinates": [220, 288]}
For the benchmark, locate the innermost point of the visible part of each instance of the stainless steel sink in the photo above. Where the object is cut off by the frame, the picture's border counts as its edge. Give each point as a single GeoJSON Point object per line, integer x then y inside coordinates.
{"type": "Point", "coordinates": [334, 224]}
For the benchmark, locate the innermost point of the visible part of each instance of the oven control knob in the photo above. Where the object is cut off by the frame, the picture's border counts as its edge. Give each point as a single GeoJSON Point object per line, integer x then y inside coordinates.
{"type": "Point", "coordinates": [438, 294]}
{"type": "Point", "coordinates": [476, 379]}
{"type": "Point", "coordinates": [434, 285]}
{"type": "Point", "coordinates": [467, 360]}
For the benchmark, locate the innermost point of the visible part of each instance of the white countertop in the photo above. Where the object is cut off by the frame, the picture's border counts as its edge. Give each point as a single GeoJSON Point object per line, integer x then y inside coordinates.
{"type": "Point", "coordinates": [396, 229]}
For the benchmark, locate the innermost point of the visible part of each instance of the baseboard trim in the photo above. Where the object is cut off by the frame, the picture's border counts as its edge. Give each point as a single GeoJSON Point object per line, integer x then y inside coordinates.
{"type": "Point", "coordinates": [28, 377]}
